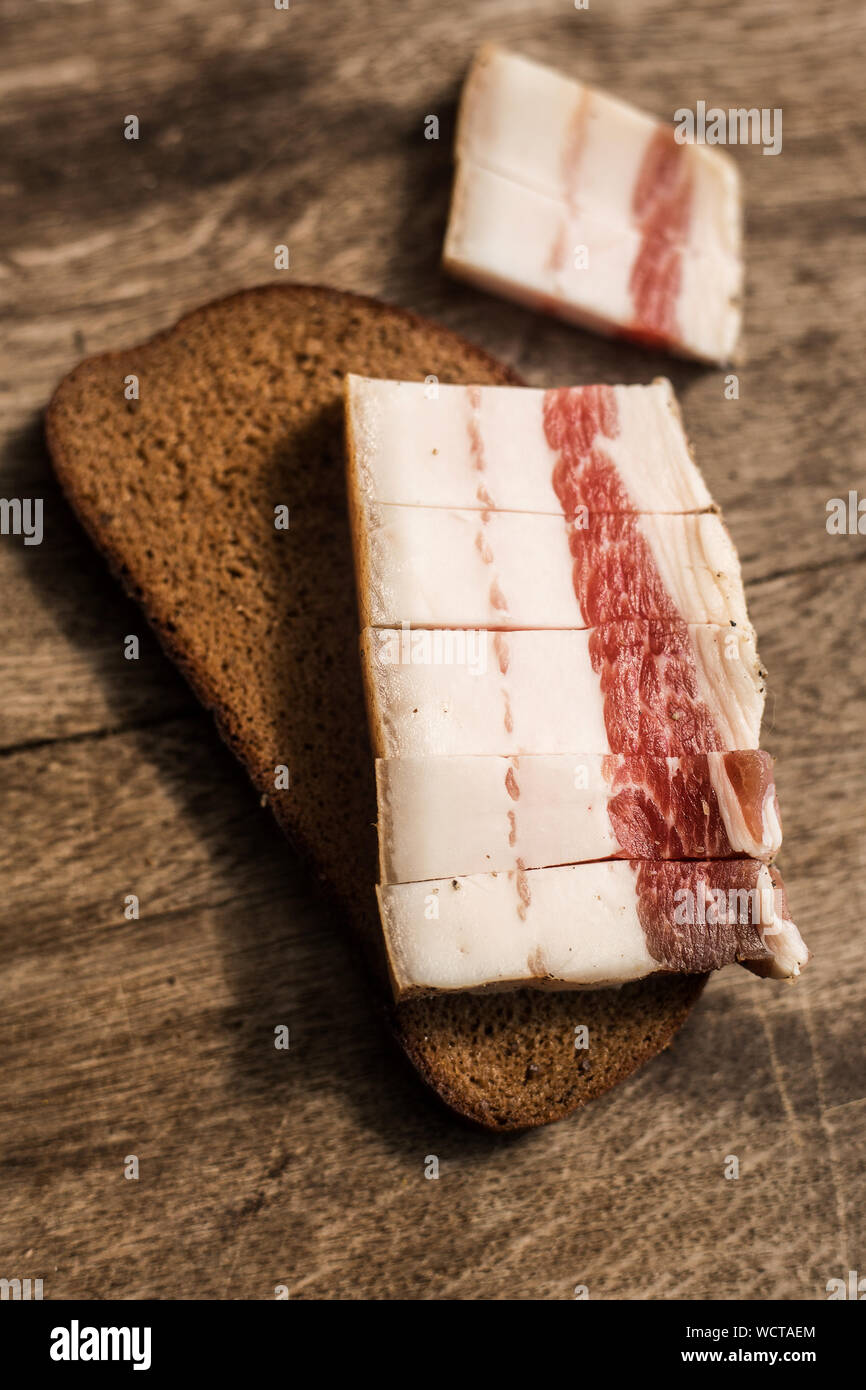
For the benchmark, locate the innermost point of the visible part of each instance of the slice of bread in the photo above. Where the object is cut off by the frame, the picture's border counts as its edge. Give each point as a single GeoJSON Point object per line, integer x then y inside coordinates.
{"type": "Point", "coordinates": [240, 410]}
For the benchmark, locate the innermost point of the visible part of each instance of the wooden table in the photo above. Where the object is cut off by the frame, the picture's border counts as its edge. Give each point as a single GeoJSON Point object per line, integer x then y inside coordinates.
{"type": "Point", "coordinates": [154, 1038]}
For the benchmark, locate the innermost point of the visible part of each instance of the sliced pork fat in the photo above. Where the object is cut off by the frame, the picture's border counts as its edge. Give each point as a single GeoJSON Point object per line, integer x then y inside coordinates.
{"type": "Point", "coordinates": [563, 688]}
{"type": "Point", "coordinates": [583, 147]}
{"type": "Point", "coordinates": [587, 925]}
{"type": "Point", "coordinates": [472, 815]}
{"type": "Point", "coordinates": [637, 686]}
{"type": "Point", "coordinates": [430, 566]}
{"type": "Point", "coordinates": [577, 203]}
{"type": "Point", "coordinates": [504, 448]}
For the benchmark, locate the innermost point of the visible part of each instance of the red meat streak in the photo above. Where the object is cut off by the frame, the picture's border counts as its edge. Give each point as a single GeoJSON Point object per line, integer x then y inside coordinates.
{"type": "Point", "coordinates": [499, 602]}
{"type": "Point", "coordinates": [703, 945]}
{"type": "Point", "coordinates": [651, 705]}
{"type": "Point", "coordinates": [569, 166]}
{"type": "Point", "coordinates": [660, 813]}
{"type": "Point", "coordinates": [661, 208]}
{"type": "Point", "coordinates": [479, 463]}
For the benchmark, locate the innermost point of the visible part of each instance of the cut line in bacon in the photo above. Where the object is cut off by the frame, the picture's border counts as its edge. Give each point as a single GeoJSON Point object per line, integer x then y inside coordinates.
{"type": "Point", "coordinates": [500, 448]}
{"type": "Point", "coordinates": [571, 201]}
{"type": "Point", "coordinates": [471, 815]}
{"type": "Point", "coordinates": [588, 925]}
{"type": "Point", "coordinates": [637, 686]}
{"type": "Point", "coordinates": [580, 448]}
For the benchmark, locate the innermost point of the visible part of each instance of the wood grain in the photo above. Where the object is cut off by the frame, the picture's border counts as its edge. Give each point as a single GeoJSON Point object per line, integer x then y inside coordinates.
{"type": "Point", "coordinates": [155, 1037]}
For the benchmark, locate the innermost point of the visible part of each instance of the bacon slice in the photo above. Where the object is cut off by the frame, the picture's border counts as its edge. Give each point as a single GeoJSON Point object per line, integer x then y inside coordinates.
{"type": "Point", "coordinates": [539, 573]}
{"type": "Point", "coordinates": [430, 566]}
{"type": "Point", "coordinates": [472, 815]}
{"type": "Point", "coordinates": [488, 448]}
{"type": "Point", "coordinates": [657, 688]}
{"type": "Point", "coordinates": [588, 925]}
{"type": "Point", "coordinates": [571, 201]}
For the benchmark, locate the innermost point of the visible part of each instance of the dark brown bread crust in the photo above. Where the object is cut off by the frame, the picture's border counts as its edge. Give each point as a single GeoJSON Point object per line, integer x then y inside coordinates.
{"type": "Point", "coordinates": [240, 410]}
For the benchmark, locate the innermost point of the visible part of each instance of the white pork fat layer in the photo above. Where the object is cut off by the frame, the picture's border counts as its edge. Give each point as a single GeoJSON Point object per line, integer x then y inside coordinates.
{"type": "Point", "coordinates": [581, 927]}
{"type": "Point", "coordinates": [456, 815]}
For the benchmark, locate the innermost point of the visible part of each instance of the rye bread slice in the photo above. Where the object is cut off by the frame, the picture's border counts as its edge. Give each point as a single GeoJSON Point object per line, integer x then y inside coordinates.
{"type": "Point", "coordinates": [240, 409]}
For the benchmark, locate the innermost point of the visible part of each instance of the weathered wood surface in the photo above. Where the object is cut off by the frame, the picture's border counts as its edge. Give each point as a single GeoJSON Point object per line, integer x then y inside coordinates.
{"type": "Point", "coordinates": [155, 1038]}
